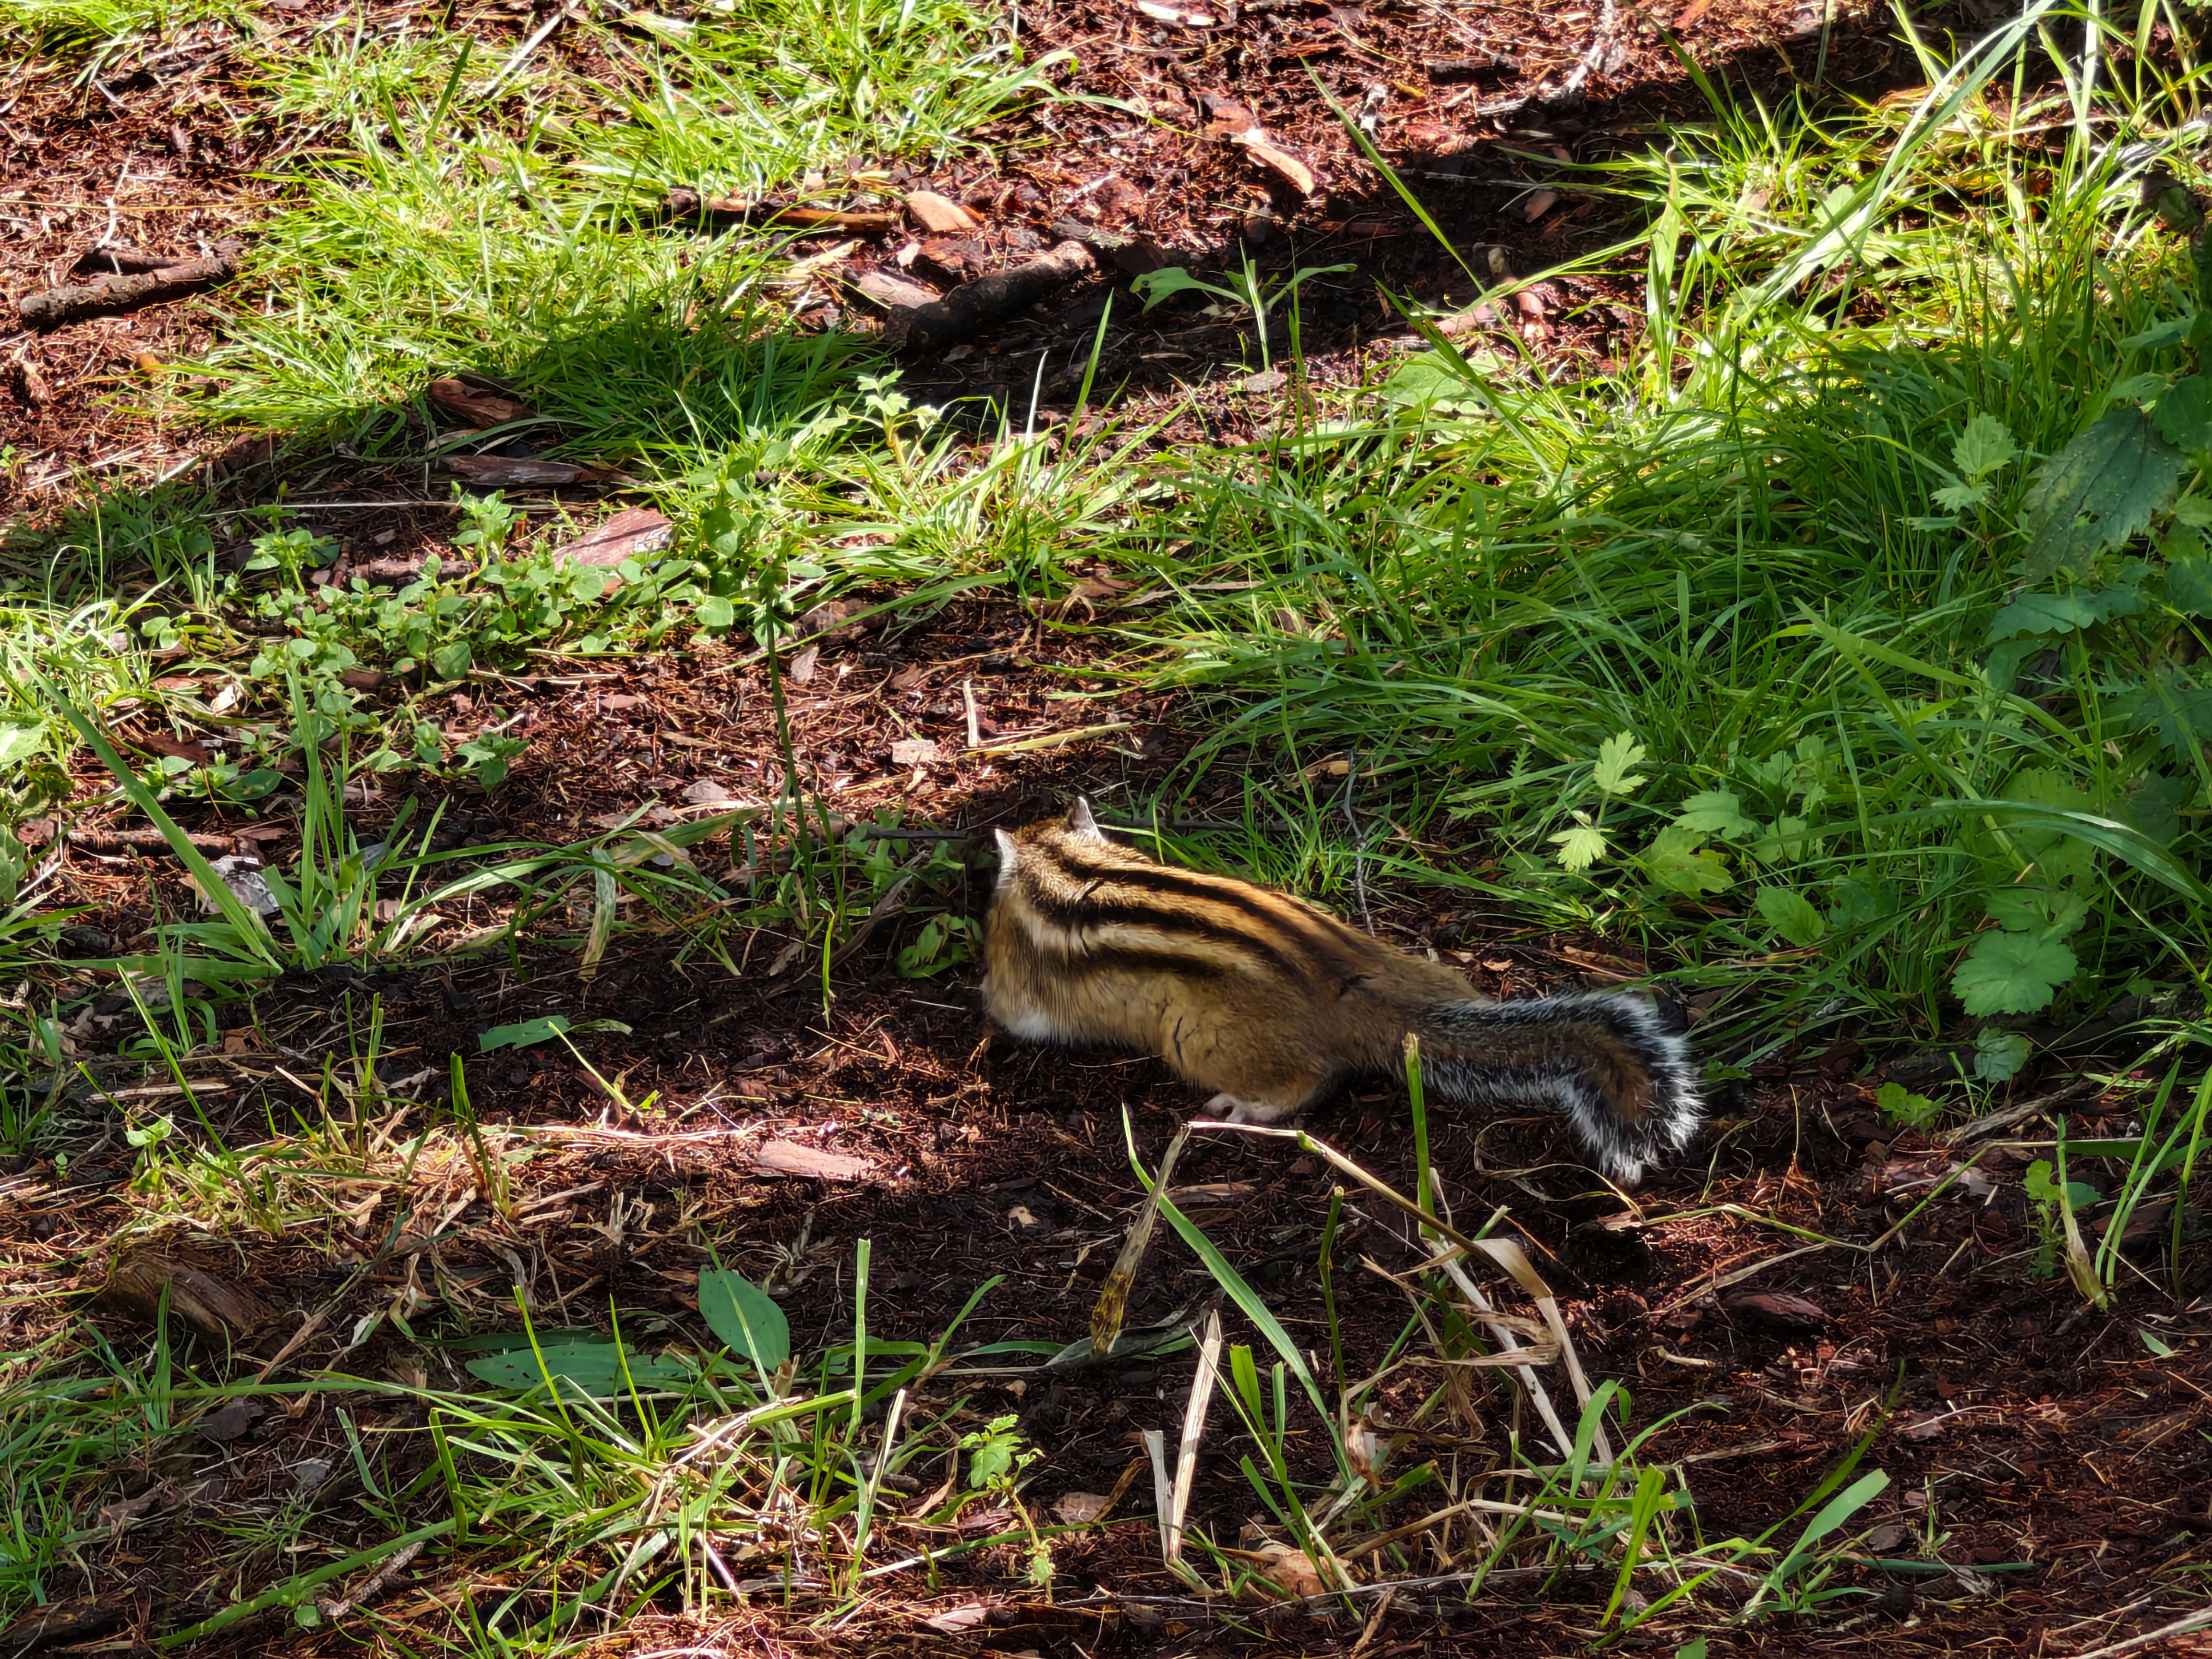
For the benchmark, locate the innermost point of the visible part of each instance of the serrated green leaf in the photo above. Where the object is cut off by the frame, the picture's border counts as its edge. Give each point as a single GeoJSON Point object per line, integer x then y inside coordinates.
{"type": "Point", "coordinates": [2183, 418]}
{"type": "Point", "coordinates": [2187, 586]}
{"type": "Point", "coordinates": [1790, 914]}
{"type": "Point", "coordinates": [2155, 807]}
{"type": "Point", "coordinates": [1901, 1105]}
{"type": "Point", "coordinates": [1716, 812]}
{"type": "Point", "coordinates": [746, 1317]}
{"type": "Point", "coordinates": [1983, 448]}
{"type": "Point", "coordinates": [2045, 613]}
{"type": "Point", "coordinates": [2043, 911]}
{"type": "Point", "coordinates": [2195, 511]}
{"type": "Point", "coordinates": [1580, 847]}
{"type": "Point", "coordinates": [2101, 488]}
{"type": "Point", "coordinates": [1956, 498]}
{"type": "Point", "coordinates": [1676, 862]}
{"type": "Point", "coordinates": [2138, 388]}
{"type": "Point", "coordinates": [1616, 756]}
{"type": "Point", "coordinates": [2011, 974]}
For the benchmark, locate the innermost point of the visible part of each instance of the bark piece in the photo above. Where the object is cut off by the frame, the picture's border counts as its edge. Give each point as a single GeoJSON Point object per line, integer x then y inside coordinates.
{"type": "Point", "coordinates": [66, 304]}
{"type": "Point", "coordinates": [116, 258]}
{"type": "Point", "coordinates": [632, 533]}
{"type": "Point", "coordinates": [498, 470]}
{"type": "Point", "coordinates": [212, 1306]}
{"type": "Point", "coordinates": [977, 304]}
{"type": "Point", "coordinates": [894, 292]}
{"type": "Point", "coordinates": [940, 216]}
{"type": "Point", "coordinates": [478, 405]}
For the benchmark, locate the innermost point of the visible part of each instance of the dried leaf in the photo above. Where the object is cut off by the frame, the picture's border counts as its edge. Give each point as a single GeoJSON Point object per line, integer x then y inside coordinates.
{"type": "Point", "coordinates": [229, 1420]}
{"type": "Point", "coordinates": [1690, 12]}
{"type": "Point", "coordinates": [1790, 1312]}
{"type": "Point", "coordinates": [801, 667]}
{"type": "Point", "coordinates": [1541, 203]}
{"type": "Point", "coordinates": [1291, 1571]}
{"type": "Point", "coordinates": [788, 1157]}
{"type": "Point", "coordinates": [1301, 176]}
{"type": "Point", "coordinates": [191, 749]}
{"type": "Point", "coordinates": [916, 752]}
{"type": "Point", "coordinates": [707, 792]}
{"type": "Point", "coordinates": [1080, 1509]}
{"type": "Point", "coordinates": [953, 1620]}
{"type": "Point", "coordinates": [939, 215]}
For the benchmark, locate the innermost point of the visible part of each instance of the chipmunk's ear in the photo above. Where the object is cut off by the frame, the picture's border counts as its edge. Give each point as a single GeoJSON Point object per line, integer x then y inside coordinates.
{"type": "Point", "coordinates": [1081, 823]}
{"type": "Point", "coordinates": [1010, 854]}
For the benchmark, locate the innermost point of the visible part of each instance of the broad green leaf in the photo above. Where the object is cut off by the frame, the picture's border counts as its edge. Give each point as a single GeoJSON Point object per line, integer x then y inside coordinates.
{"type": "Point", "coordinates": [1677, 862]}
{"type": "Point", "coordinates": [1998, 1056]}
{"type": "Point", "coordinates": [2155, 807]}
{"type": "Point", "coordinates": [451, 662]}
{"type": "Point", "coordinates": [716, 612]}
{"type": "Point", "coordinates": [523, 1035]}
{"type": "Point", "coordinates": [1580, 847]}
{"type": "Point", "coordinates": [744, 1316]}
{"type": "Point", "coordinates": [2138, 388]}
{"type": "Point", "coordinates": [2050, 912]}
{"type": "Point", "coordinates": [2101, 488]}
{"type": "Point", "coordinates": [1957, 498]}
{"type": "Point", "coordinates": [2185, 414]}
{"type": "Point", "coordinates": [2046, 613]}
{"type": "Point", "coordinates": [1616, 757]}
{"type": "Point", "coordinates": [2011, 974]}
{"type": "Point", "coordinates": [1901, 1105]}
{"type": "Point", "coordinates": [1983, 448]}
{"type": "Point", "coordinates": [19, 743]}
{"type": "Point", "coordinates": [1792, 914]}
{"type": "Point", "coordinates": [2195, 511]}
{"type": "Point", "coordinates": [1716, 812]}
{"type": "Point", "coordinates": [1428, 379]}
{"type": "Point", "coordinates": [595, 1369]}
{"type": "Point", "coordinates": [2187, 586]}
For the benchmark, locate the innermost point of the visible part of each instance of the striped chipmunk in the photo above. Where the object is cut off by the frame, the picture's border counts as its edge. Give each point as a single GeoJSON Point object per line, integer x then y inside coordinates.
{"type": "Point", "coordinates": [1273, 1004]}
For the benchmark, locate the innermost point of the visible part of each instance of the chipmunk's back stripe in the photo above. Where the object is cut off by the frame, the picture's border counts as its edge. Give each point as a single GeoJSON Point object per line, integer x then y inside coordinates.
{"type": "Point", "coordinates": [1095, 927]}
{"type": "Point", "coordinates": [1299, 929]}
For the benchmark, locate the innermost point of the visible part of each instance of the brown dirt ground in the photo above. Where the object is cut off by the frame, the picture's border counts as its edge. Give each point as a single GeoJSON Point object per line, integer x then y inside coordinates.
{"type": "Point", "coordinates": [2029, 1428]}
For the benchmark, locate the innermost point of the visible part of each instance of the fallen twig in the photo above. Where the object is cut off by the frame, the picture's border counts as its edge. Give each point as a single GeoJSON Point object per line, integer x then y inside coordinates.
{"type": "Point", "coordinates": [689, 204]}
{"type": "Point", "coordinates": [53, 307]}
{"type": "Point", "coordinates": [972, 306]}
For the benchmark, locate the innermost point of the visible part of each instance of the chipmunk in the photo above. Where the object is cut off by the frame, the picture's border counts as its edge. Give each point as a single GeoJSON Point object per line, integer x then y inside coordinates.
{"type": "Point", "coordinates": [1273, 1004]}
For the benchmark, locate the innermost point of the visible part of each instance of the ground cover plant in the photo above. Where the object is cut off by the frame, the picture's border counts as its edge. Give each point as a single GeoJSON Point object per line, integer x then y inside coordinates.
{"type": "Point", "coordinates": [500, 1155]}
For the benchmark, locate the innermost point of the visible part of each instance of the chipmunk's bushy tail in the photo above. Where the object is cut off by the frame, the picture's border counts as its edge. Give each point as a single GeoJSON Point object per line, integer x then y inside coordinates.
{"type": "Point", "coordinates": [1623, 1081]}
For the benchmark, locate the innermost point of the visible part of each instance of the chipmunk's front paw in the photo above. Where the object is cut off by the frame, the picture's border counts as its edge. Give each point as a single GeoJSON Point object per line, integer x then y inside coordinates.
{"type": "Point", "coordinates": [1231, 1109]}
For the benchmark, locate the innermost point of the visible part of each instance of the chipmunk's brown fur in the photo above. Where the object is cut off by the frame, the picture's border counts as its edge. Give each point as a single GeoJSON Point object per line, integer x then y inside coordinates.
{"type": "Point", "coordinates": [1273, 1004]}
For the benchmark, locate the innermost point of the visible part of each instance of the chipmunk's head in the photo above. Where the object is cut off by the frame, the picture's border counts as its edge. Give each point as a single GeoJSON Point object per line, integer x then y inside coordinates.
{"type": "Point", "coordinates": [1079, 824]}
